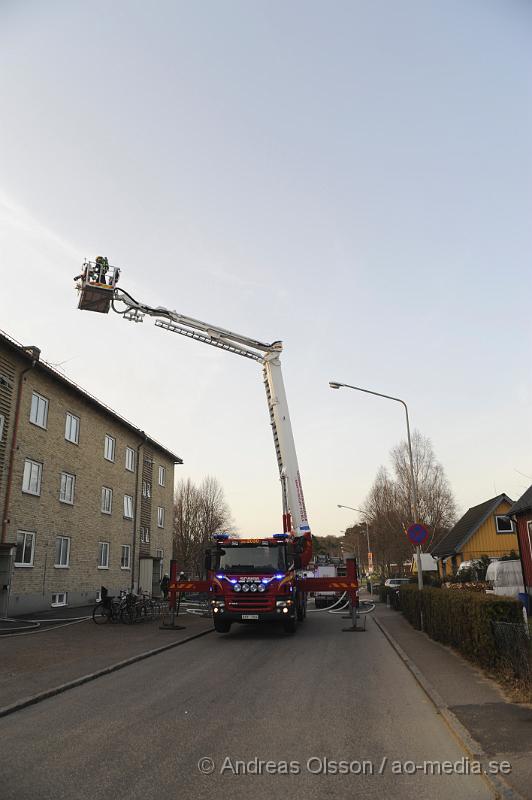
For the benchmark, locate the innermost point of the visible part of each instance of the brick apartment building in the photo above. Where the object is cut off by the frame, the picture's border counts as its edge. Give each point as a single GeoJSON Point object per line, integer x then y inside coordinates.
{"type": "Point", "coordinates": [86, 497]}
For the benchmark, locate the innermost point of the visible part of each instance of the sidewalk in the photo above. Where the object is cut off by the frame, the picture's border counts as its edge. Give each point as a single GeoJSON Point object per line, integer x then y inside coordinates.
{"type": "Point", "coordinates": [502, 729]}
{"type": "Point", "coordinates": [39, 662]}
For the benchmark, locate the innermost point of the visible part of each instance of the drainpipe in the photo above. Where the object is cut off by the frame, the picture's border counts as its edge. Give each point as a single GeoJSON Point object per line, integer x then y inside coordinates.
{"type": "Point", "coordinates": [135, 510]}
{"type": "Point", "coordinates": [5, 517]}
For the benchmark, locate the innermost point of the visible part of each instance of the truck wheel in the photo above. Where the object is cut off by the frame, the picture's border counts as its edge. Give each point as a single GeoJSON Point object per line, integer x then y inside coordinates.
{"type": "Point", "coordinates": [221, 626]}
{"type": "Point", "coordinates": [289, 626]}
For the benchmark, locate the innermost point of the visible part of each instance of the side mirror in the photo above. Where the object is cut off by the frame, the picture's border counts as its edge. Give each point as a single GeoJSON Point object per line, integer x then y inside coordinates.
{"type": "Point", "coordinates": [208, 560]}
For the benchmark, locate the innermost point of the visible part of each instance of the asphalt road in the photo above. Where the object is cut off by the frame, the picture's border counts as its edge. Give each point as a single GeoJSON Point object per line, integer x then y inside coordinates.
{"type": "Point", "coordinates": [255, 694]}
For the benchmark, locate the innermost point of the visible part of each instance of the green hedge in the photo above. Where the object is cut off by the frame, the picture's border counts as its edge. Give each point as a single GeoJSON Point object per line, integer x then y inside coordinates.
{"type": "Point", "coordinates": [460, 619]}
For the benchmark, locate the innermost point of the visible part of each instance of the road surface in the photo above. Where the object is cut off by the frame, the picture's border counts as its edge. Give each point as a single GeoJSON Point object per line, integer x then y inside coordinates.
{"type": "Point", "coordinates": [240, 704]}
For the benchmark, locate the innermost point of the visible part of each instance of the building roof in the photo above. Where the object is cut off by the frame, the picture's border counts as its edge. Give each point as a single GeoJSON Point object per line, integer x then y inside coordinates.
{"type": "Point", "coordinates": [32, 353]}
{"type": "Point", "coordinates": [523, 504]}
{"type": "Point", "coordinates": [464, 529]}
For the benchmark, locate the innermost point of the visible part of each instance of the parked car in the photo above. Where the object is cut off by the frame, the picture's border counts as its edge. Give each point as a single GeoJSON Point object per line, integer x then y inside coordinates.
{"type": "Point", "coordinates": [395, 583]}
{"type": "Point", "coordinates": [505, 578]}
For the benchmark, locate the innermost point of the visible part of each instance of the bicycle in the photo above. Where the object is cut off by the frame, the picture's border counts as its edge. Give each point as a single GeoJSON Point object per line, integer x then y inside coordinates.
{"type": "Point", "coordinates": [109, 608]}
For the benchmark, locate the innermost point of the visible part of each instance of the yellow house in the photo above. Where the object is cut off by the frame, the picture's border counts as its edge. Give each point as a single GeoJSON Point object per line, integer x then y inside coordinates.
{"type": "Point", "coordinates": [484, 530]}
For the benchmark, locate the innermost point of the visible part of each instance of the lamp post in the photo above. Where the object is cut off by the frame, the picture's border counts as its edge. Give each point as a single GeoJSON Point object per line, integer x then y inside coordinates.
{"type": "Point", "coordinates": [352, 508]}
{"type": "Point", "coordinates": [337, 385]}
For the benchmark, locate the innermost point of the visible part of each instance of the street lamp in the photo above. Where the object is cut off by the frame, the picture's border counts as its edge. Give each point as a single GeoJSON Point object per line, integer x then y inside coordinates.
{"type": "Point", "coordinates": [337, 385]}
{"type": "Point", "coordinates": [352, 508]}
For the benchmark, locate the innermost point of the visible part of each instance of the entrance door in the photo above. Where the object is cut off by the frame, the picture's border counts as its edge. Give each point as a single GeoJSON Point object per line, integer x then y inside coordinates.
{"type": "Point", "coordinates": [156, 577]}
{"type": "Point", "coordinates": [145, 575]}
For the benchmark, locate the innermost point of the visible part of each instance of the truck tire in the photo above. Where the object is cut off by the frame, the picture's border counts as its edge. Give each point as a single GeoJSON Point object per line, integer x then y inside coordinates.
{"type": "Point", "coordinates": [221, 626]}
{"type": "Point", "coordinates": [290, 626]}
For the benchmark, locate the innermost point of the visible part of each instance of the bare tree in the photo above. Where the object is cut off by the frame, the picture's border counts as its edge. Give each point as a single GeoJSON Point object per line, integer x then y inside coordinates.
{"type": "Point", "coordinates": [436, 504]}
{"type": "Point", "coordinates": [389, 503]}
{"type": "Point", "coordinates": [199, 511]}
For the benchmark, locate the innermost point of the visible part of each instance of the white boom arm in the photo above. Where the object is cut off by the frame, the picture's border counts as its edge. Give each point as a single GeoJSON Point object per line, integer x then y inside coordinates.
{"type": "Point", "coordinates": [294, 511]}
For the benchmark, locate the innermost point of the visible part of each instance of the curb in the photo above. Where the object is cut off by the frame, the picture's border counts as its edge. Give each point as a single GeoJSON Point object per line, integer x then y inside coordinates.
{"type": "Point", "coordinates": [500, 788]}
{"type": "Point", "coordinates": [64, 687]}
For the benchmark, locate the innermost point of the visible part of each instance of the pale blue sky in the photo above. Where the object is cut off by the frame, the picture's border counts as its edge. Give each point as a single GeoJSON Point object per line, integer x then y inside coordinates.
{"type": "Point", "coordinates": [353, 178]}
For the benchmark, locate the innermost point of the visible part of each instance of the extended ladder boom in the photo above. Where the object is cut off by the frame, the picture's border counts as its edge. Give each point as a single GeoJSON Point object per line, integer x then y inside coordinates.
{"type": "Point", "coordinates": [98, 296]}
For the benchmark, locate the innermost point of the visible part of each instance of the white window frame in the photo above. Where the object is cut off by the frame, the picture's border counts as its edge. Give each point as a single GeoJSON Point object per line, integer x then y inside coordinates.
{"type": "Point", "coordinates": [506, 520]}
{"type": "Point", "coordinates": [162, 475]}
{"type": "Point", "coordinates": [24, 534]}
{"type": "Point", "coordinates": [69, 420]}
{"type": "Point", "coordinates": [146, 489]}
{"type": "Point", "coordinates": [126, 549]}
{"type": "Point", "coordinates": [128, 506]}
{"type": "Point", "coordinates": [109, 448]}
{"type": "Point", "coordinates": [107, 494]}
{"type": "Point", "coordinates": [101, 550]}
{"type": "Point", "coordinates": [130, 459]}
{"type": "Point", "coordinates": [28, 475]}
{"type": "Point", "coordinates": [57, 603]}
{"type": "Point", "coordinates": [67, 563]}
{"type": "Point", "coordinates": [144, 535]}
{"type": "Point", "coordinates": [160, 516]}
{"type": "Point", "coordinates": [67, 480]}
{"type": "Point", "coordinates": [39, 410]}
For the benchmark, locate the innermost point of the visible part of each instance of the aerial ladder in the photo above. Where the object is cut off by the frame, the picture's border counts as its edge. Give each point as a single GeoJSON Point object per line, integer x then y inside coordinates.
{"type": "Point", "coordinates": [99, 291]}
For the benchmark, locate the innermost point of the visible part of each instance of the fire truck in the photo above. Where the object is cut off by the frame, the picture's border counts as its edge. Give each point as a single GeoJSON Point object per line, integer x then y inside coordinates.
{"type": "Point", "coordinates": [248, 580]}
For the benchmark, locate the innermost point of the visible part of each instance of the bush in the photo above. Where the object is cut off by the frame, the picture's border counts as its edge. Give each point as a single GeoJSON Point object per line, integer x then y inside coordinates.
{"type": "Point", "coordinates": [461, 619]}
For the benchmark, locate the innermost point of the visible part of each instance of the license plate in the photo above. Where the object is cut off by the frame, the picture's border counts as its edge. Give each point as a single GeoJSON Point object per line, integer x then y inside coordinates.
{"type": "Point", "coordinates": [250, 616]}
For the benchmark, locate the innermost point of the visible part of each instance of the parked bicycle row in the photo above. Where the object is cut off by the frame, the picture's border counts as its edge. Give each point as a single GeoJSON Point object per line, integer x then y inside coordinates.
{"type": "Point", "coordinates": [127, 607]}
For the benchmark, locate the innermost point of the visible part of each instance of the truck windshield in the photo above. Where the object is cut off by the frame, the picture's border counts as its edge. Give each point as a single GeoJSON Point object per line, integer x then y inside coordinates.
{"type": "Point", "coordinates": [253, 558]}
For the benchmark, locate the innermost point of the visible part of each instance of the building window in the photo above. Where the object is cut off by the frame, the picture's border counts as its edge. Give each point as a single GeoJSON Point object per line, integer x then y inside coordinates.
{"type": "Point", "coordinates": [2, 423]}
{"type": "Point", "coordinates": [144, 535]}
{"type": "Point", "coordinates": [31, 480]}
{"type": "Point", "coordinates": [39, 410]}
{"type": "Point", "coordinates": [130, 459]}
{"type": "Point", "coordinates": [160, 517]}
{"type": "Point", "coordinates": [72, 428]}
{"type": "Point", "coordinates": [146, 489]}
{"type": "Point", "coordinates": [162, 476]}
{"type": "Point", "coordinates": [103, 555]}
{"type": "Point", "coordinates": [128, 506]}
{"type": "Point", "coordinates": [62, 551]}
{"type": "Point", "coordinates": [107, 500]}
{"type": "Point", "coordinates": [66, 492]}
{"type": "Point", "coordinates": [504, 524]}
{"type": "Point", "coordinates": [59, 599]}
{"type": "Point", "coordinates": [125, 559]}
{"type": "Point", "coordinates": [25, 549]}
{"type": "Point", "coordinates": [109, 448]}
{"type": "Point", "coordinates": [160, 555]}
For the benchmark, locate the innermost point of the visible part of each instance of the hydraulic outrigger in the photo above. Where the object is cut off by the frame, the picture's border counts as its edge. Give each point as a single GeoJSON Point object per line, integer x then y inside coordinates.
{"type": "Point", "coordinates": [249, 580]}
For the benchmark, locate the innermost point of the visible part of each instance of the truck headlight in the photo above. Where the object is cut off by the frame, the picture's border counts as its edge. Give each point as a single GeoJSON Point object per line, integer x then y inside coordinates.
{"type": "Point", "coordinates": [253, 587]}
{"type": "Point", "coordinates": [245, 587]}
{"type": "Point", "coordinates": [237, 587]}
{"type": "Point", "coordinates": [262, 587]}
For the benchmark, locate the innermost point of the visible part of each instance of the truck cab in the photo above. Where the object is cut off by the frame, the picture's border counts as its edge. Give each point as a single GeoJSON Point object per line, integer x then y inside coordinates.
{"type": "Point", "coordinates": [255, 580]}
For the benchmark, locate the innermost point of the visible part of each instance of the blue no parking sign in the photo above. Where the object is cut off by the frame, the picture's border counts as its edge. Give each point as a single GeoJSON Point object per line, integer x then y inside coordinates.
{"type": "Point", "coordinates": [417, 533]}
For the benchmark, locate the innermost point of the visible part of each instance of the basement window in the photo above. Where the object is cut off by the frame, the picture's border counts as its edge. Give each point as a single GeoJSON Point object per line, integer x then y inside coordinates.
{"type": "Point", "coordinates": [504, 524]}
{"type": "Point", "coordinates": [59, 599]}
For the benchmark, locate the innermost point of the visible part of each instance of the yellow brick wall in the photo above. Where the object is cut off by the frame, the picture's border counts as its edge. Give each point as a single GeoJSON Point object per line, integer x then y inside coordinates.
{"type": "Point", "coordinates": [83, 522]}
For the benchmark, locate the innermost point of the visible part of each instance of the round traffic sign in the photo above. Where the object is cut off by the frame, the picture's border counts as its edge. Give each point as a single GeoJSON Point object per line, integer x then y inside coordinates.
{"type": "Point", "coordinates": [417, 533]}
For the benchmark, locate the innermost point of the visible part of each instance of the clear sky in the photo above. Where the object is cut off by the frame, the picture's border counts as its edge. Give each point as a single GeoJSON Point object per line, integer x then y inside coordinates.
{"type": "Point", "coordinates": [354, 178]}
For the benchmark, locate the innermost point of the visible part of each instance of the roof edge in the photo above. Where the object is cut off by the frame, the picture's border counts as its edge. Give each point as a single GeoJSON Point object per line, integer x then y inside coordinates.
{"type": "Point", "coordinates": [29, 354]}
